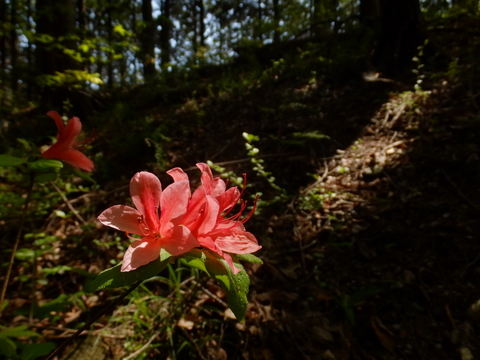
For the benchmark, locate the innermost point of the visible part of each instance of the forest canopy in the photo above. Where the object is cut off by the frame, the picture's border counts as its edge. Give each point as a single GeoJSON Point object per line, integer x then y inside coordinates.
{"type": "Point", "coordinates": [54, 50]}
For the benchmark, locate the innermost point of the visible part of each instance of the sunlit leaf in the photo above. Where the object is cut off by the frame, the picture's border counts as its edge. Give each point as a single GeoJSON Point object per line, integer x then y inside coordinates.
{"type": "Point", "coordinates": [249, 258]}
{"type": "Point", "coordinates": [18, 331]}
{"type": "Point", "coordinates": [45, 164]}
{"type": "Point", "coordinates": [235, 285]}
{"type": "Point", "coordinates": [114, 278]}
{"type": "Point", "coordinates": [24, 254]}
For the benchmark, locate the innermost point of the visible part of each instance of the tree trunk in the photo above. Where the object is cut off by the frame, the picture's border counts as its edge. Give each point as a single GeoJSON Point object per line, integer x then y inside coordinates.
{"type": "Point", "coordinates": [402, 31]}
{"type": "Point", "coordinates": [13, 45]}
{"type": "Point", "coordinates": [3, 50]}
{"type": "Point", "coordinates": [201, 20]}
{"type": "Point", "coordinates": [3, 36]}
{"type": "Point", "coordinates": [29, 79]}
{"type": "Point", "coordinates": [109, 26]}
{"type": "Point", "coordinates": [194, 28]}
{"type": "Point", "coordinates": [165, 32]}
{"type": "Point", "coordinates": [276, 21]}
{"type": "Point", "coordinates": [55, 19]}
{"type": "Point", "coordinates": [259, 32]}
{"type": "Point", "coordinates": [147, 52]}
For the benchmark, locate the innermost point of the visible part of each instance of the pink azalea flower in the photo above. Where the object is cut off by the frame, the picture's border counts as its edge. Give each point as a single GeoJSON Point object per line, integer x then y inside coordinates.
{"type": "Point", "coordinates": [208, 220]}
{"type": "Point", "coordinates": [66, 148]}
{"type": "Point", "coordinates": [156, 219]}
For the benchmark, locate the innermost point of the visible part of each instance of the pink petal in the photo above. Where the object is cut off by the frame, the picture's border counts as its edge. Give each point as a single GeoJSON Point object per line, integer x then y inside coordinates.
{"type": "Point", "coordinates": [218, 186]}
{"type": "Point", "coordinates": [146, 191]}
{"type": "Point", "coordinates": [58, 120]}
{"type": "Point", "coordinates": [70, 156]}
{"type": "Point", "coordinates": [180, 241]}
{"type": "Point", "coordinates": [195, 206]}
{"type": "Point", "coordinates": [206, 178]}
{"type": "Point", "coordinates": [121, 217]}
{"type": "Point", "coordinates": [229, 261]}
{"type": "Point", "coordinates": [238, 243]}
{"type": "Point", "coordinates": [140, 253]}
{"type": "Point", "coordinates": [173, 204]}
{"type": "Point", "coordinates": [229, 198]}
{"type": "Point", "coordinates": [177, 174]}
{"type": "Point", "coordinates": [69, 134]}
{"type": "Point", "coordinates": [213, 186]}
{"type": "Point", "coordinates": [209, 216]}
{"type": "Point", "coordinates": [208, 243]}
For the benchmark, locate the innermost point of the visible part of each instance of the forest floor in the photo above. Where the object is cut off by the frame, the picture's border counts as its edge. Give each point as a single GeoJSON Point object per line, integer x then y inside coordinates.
{"type": "Point", "coordinates": [373, 252]}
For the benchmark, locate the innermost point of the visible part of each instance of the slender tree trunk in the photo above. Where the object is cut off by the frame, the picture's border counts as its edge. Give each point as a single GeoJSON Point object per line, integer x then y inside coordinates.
{"type": "Point", "coordinates": [165, 32]}
{"type": "Point", "coordinates": [13, 45]}
{"type": "Point", "coordinates": [3, 49]}
{"type": "Point", "coordinates": [259, 26]}
{"type": "Point", "coordinates": [3, 36]}
{"type": "Point", "coordinates": [316, 17]}
{"type": "Point", "coordinates": [30, 64]}
{"type": "Point", "coordinates": [276, 21]}
{"type": "Point", "coordinates": [201, 19]}
{"type": "Point", "coordinates": [55, 18]}
{"type": "Point", "coordinates": [147, 36]}
{"type": "Point", "coordinates": [194, 28]}
{"type": "Point", "coordinates": [402, 31]}
{"type": "Point", "coordinates": [81, 17]}
{"type": "Point", "coordinates": [369, 11]}
{"type": "Point", "coordinates": [109, 26]}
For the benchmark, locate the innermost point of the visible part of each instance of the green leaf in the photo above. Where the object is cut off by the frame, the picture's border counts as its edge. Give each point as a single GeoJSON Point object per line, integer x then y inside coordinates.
{"type": "Point", "coordinates": [7, 160]}
{"type": "Point", "coordinates": [195, 259]}
{"type": "Point", "coordinates": [33, 351]}
{"type": "Point", "coordinates": [8, 348]}
{"type": "Point", "coordinates": [235, 285]}
{"type": "Point", "coordinates": [249, 258]}
{"type": "Point", "coordinates": [18, 331]}
{"type": "Point", "coordinates": [45, 164]}
{"type": "Point", "coordinates": [114, 278]}
{"type": "Point", "coordinates": [24, 254]}
{"type": "Point", "coordinates": [45, 177]}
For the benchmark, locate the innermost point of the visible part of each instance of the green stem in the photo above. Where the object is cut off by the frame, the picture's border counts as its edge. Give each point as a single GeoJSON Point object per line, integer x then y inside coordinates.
{"type": "Point", "coordinates": [88, 324]}
{"type": "Point", "coordinates": [15, 245]}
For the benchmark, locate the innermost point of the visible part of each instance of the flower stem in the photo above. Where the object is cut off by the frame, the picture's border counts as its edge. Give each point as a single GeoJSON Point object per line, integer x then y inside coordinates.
{"type": "Point", "coordinates": [95, 318]}
{"type": "Point", "coordinates": [17, 242]}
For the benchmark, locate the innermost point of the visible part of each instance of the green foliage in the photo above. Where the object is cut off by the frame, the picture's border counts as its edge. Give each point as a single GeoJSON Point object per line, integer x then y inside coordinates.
{"type": "Point", "coordinates": [7, 160]}
{"type": "Point", "coordinates": [76, 78]}
{"type": "Point", "coordinates": [13, 349]}
{"type": "Point", "coordinates": [235, 285]}
{"type": "Point", "coordinates": [258, 167]}
{"type": "Point", "coordinates": [114, 278]}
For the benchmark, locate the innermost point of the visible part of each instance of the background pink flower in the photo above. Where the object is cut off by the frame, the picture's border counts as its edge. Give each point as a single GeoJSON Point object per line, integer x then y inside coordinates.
{"type": "Point", "coordinates": [66, 148]}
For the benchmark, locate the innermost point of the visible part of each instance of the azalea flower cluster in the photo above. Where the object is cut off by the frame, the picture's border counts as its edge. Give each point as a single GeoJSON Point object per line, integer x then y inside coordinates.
{"type": "Point", "coordinates": [174, 218]}
{"type": "Point", "coordinates": [178, 220]}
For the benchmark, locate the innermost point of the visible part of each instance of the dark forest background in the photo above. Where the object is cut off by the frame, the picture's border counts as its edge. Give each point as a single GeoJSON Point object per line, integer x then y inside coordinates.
{"type": "Point", "coordinates": [356, 123]}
